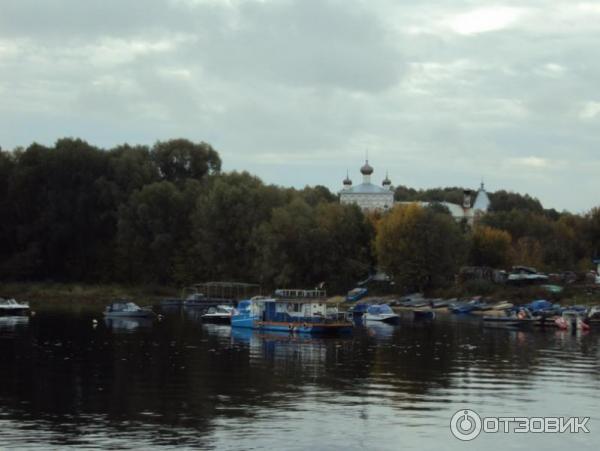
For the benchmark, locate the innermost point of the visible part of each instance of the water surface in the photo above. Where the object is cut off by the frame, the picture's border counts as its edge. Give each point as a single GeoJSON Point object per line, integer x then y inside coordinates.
{"type": "Point", "coordinates": [176, 383]}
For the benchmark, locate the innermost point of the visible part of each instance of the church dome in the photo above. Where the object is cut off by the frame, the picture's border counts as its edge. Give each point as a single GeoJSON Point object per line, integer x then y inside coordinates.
{"type": "Point", "coordinates": [347, 181]}
{"type": "Point", "coordinates": [367, 169]}
{"type": "Point", "coordinates": [386, 180]}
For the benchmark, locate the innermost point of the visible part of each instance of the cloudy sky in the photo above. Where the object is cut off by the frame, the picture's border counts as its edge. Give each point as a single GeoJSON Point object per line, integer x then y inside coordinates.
{"type": "Point", "coordinates": [440, 92]}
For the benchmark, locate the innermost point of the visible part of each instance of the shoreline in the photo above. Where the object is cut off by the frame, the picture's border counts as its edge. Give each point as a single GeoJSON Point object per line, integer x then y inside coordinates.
{"type": "Point", "coordinates": [82, 295]}
{"type": "Point", "coordinates": [49, 294]}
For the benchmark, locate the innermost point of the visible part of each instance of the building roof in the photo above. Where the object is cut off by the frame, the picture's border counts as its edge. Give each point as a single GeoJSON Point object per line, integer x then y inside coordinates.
{"type": "Point", "coordinates": [367, 188]}
{"type": "Point", "coordinates": [482, 201]}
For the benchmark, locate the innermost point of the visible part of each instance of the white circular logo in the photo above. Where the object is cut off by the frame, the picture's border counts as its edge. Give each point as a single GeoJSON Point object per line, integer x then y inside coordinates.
{"type": "Point", "coordinates": [465, 425]}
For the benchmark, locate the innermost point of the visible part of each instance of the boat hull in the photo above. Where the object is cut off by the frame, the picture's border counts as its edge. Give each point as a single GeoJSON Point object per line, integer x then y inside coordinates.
{"type": "Point", "coordinates": [14, 311]}
{"type": "Point", "coordinates": [388, 319]}
{"type": "Point", "coordinates": [216, 319]}
{"type": "Point", "coordinates": [495, 321]}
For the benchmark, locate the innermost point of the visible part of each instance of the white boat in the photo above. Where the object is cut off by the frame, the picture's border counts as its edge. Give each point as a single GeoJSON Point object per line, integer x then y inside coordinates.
{"type": "Point", "coordinates": [383, 313]}
{"type": "Point", "coordinates": [12, 307]}
{"type": "Point", "coordinates": [219, 314]}
{"type": "Point", "coordinates": [196, 300]}
{"type": "Point", "coordinates": [127, 309]}
{"type": "Point", "coordinates": [524, 275]}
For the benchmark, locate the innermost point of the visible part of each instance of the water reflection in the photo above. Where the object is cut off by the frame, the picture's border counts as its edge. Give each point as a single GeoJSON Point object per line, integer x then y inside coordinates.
{"type": "Point", "coordinates": [380, 330]}
{"type": "Point", "coordinates": [181, 383]}
{"type": "Point", "coordinates": [126, 325]}
{"type": "Point", "coordinates": [13, 322]}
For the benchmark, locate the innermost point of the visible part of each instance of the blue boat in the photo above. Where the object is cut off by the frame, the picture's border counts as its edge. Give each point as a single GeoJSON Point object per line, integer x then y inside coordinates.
{"type": "Point", "coordinates": [469, 306]}
{"type": "Point", "coordinates": [305, 313]}
{"type": "Point", "coordinates": [356, 294]}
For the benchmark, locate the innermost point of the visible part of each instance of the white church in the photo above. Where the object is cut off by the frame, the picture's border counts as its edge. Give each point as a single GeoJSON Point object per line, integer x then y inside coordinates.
{"type": "Point", "coordinates": [370, 197]}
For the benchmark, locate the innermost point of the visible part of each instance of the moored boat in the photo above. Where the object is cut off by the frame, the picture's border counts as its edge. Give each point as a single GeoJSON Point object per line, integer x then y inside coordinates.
{"type": "Point", "coordinates": [12, 307]}
{"type": "Point", "coordinates": [294, 311]}
{"type": "Point", "coordinates": [463, 307]}
{"type": "Point", "coordinates": [356, 294]}
{"type": "Point", "coordinates": [221, 314]}
{"type": "Point", "coordinates": [521, 318]}
{"type": "Point", "coordinates": [440, 303]}
{"type": "Point", "coordinates": [196, 300]}
{"type": "Point", "coordinates": [383, 313]}
{"type": "Point", "coordinates": [127, 309]}
{"type": "Point", "coordinates": [593, 316]}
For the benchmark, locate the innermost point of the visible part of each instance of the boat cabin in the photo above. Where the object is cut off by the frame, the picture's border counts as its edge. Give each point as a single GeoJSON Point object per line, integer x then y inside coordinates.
{"type": "Point", "coordinates": [288, 310]}
{"type": "Point", "coordinates": [122, 306]}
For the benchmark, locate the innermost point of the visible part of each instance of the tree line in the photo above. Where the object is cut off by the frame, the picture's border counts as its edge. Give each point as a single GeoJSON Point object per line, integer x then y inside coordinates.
{"type": "Point", "coordinates": [167, 214]}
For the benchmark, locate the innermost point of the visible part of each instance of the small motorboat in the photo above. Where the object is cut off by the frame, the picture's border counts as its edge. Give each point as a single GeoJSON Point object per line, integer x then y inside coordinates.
{"type": "Point", "coordinates": [356, 294]}
{"type": "Point", "coordinates": [543, 307]}
{"type": "Point", "coordinates": [127, 309]}
{"type": "Point", "coordinates": [221, 314]}
{"type": "Point", "coordinates": [383, 313]}
{"type": "Point", "coordinates": [413, 303]}
{"type": "Point", "coordinates": [466, 307]}
{"type": "Point", "coordinates": [12, 307]}
{"type": "Point", "coordinates": [502, 306]}
{"type": "Point", "coordinates": [593, 316]}
{"type": "Point", "coordinates": [196, 300]}
{"type": "Point", "coordinates": [440, 303]}
{"type": "Point", "coordinates": [520, 318]}
{"type": "Point", "coordinates": [425, 314]}
{"type": "Point", "coordinates": [571, 320]}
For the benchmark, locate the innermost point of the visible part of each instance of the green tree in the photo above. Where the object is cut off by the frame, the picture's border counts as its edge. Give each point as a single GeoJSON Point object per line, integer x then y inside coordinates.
{"type": "Point", "coordinates": [302, 246]}
{"type": "Point", "coordinates": [508, 201]}
{"type": "Point", "coordinates": [490, 247]}
{"type": "Point", "coordinates": [151, 230]}
{"type": "Point", "coordinates": [180, 159]}
{"type": "Point", "coordinates": [419, 247]}
{"type": "Point", "coordinates": [226, 214]}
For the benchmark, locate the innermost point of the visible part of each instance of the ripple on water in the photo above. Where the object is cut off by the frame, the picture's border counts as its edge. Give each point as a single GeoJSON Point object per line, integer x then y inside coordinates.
{"type": "Point", "coordinates": [178, 384]}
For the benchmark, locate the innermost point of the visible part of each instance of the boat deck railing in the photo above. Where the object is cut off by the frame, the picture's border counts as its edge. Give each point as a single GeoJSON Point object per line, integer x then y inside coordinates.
{"type": "Point", "coordinates": [300, 294]}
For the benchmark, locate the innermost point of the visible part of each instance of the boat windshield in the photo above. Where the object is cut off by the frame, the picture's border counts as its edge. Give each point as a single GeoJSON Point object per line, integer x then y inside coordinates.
{"type": "Point", "coordinates": [380, 309]}
{"type": "Point", "coordinates": [244, 306]}
{"type": "Point", "coordinates": [8, 301]}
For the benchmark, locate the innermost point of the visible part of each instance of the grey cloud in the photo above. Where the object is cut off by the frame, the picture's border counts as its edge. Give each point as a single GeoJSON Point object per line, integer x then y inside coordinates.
{"type": "Point", "coordinates": [296, 90]}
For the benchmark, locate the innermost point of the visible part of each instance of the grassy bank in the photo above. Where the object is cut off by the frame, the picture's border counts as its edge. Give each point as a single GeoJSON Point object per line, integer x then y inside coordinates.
{"type": "Point", "coordinates": [57, 295]}
{"type": "Point", "coordinates": [571, 294]}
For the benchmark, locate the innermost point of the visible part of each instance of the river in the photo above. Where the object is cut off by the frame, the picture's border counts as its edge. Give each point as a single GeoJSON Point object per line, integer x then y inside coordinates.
{"type": "Point", "coordinates": [69, 383]}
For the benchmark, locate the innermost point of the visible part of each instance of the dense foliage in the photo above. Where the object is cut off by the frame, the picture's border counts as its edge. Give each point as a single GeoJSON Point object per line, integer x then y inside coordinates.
{"type": "Point", "coordinates": [419, 247]}
{"type": "Point", "coordinates": [166, 214]}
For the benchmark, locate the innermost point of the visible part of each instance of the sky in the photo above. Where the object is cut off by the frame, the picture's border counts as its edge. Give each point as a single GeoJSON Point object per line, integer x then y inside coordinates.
{"type": "Point", "coordinates": [439, 92]}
